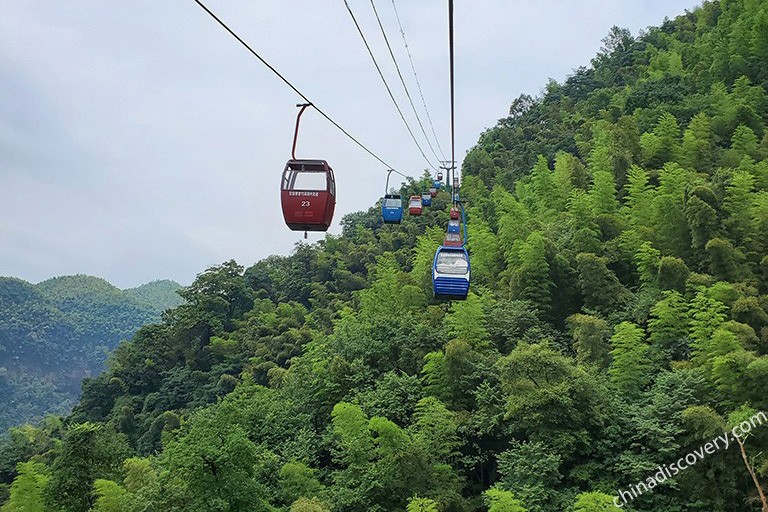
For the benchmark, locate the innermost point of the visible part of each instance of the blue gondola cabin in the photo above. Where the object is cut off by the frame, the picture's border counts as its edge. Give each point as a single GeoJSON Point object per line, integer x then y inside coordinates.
{"type": "Point", "coordinates": [450, 273]}
{"type": "Point", "coordinates": [392, 208]}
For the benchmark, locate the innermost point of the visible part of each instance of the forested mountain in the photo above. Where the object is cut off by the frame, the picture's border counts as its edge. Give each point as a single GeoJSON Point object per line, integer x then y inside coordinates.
{"type": "Point", "coordinates": [159, 295]}
{"type": "Point", "coordinates": [56, 332]}
{"type": "Point", "coordinates": [618, 321]}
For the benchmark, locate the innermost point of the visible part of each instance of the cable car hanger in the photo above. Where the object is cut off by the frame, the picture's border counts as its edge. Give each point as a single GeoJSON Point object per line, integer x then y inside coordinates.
{"type": "Point", "coordinates": [296, 131]}
{"type": "Point", "coordinates": [386, 187]}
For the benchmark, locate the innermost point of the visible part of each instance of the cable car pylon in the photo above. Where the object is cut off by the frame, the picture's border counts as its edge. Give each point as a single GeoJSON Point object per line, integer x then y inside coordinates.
{"type": "Point", "coordinates": [448, 169]}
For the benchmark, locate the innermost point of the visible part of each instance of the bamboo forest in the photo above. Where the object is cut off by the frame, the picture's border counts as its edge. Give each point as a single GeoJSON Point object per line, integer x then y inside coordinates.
{"type": "Point", "coordinates": [616, 322]}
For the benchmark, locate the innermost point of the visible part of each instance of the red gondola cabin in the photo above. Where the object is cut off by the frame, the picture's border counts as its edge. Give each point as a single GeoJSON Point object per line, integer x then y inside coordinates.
{"type": "Point", "coordinates": [308, 195]}
{"type": "Point", "coordinates": [453, 240]}
{"type": "Point", "coordinates": [414, 205]}
{"type": "Point", "coordinates": [454, 212]}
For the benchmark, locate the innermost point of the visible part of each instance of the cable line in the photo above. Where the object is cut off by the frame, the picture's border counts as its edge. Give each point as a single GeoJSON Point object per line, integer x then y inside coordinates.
{"type": "Point", "coordinates": [453, 119]}
{"type": "Point", "coordinates": [386, 85]}
{"type": "Point", "coordinates": [297, 91]}
{"type": "Point", "coordinates": [418, 83]}
{"type": "Point", "coordinates": [402, 80]}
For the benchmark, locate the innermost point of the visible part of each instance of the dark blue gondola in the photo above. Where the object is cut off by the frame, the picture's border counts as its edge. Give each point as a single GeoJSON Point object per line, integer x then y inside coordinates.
{"type": "Point", "coordinates": [392, 208]}
{"type": "Point", "coordinates": [450, 272]}
{"type": "Point", "coordinates": [437, 184]}
{"type": "Point", "coordinates": [391, 205]}
{"type": "Point", "coordinates": [426, 199]}
{"type": "Point", "coordinates": [454, 226]}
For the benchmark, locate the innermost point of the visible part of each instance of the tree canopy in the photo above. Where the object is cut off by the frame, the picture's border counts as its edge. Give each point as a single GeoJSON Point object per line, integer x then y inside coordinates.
{"type": "Point", "coordinates": [618, 320]}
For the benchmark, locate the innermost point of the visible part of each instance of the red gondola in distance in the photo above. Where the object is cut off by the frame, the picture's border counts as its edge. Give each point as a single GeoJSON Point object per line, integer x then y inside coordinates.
{"type": "Point", "coordinates": [414, 205]}
{"type": "Point", "coordinates": [307, 190]}
{"type": "Point", "coordinates": [453, 240]}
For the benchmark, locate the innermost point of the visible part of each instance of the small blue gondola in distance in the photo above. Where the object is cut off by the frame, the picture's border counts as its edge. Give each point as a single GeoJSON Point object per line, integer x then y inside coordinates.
{"type": "Point", "coordinates": [426, 199]}
{"type": "Point", "coordinates": [392, 209]}
{"type": "Point", "coordinates": [450, 272]}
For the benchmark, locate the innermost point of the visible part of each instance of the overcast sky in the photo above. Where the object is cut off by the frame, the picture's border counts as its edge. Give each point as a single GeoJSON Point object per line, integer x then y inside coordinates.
{"type": "Point", "coordinates": [139, 141]}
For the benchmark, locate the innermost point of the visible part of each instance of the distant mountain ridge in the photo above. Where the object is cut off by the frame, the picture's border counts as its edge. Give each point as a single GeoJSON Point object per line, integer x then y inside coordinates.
{"type": "Point", "coordinates": [160, 294]}
{"type": "Point", "coordinates": [54, 333]}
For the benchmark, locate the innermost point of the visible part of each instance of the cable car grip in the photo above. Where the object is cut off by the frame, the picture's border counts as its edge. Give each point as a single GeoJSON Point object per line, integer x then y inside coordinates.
{"type": "Point", "coordinates": [386, 188]}
{"type": "Point", "coordinates": [296, 132]}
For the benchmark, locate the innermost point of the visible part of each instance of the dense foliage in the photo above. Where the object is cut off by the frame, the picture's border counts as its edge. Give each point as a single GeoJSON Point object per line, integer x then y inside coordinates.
{"type": "Point", "coordinates": [618, 320]}
{"type": "Point", "coordinates": [159, 295]}
{"type": "Point", "coordinates": [56, 332]}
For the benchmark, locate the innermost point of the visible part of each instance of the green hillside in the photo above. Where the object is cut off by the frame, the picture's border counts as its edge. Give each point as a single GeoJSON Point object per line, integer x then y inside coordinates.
{"type": "Point", "coordinates": [160, 294]}
{"type": "Point", "coordinates": [56, 332]}
{"type": "Point", "coordinates": [618, 322]}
